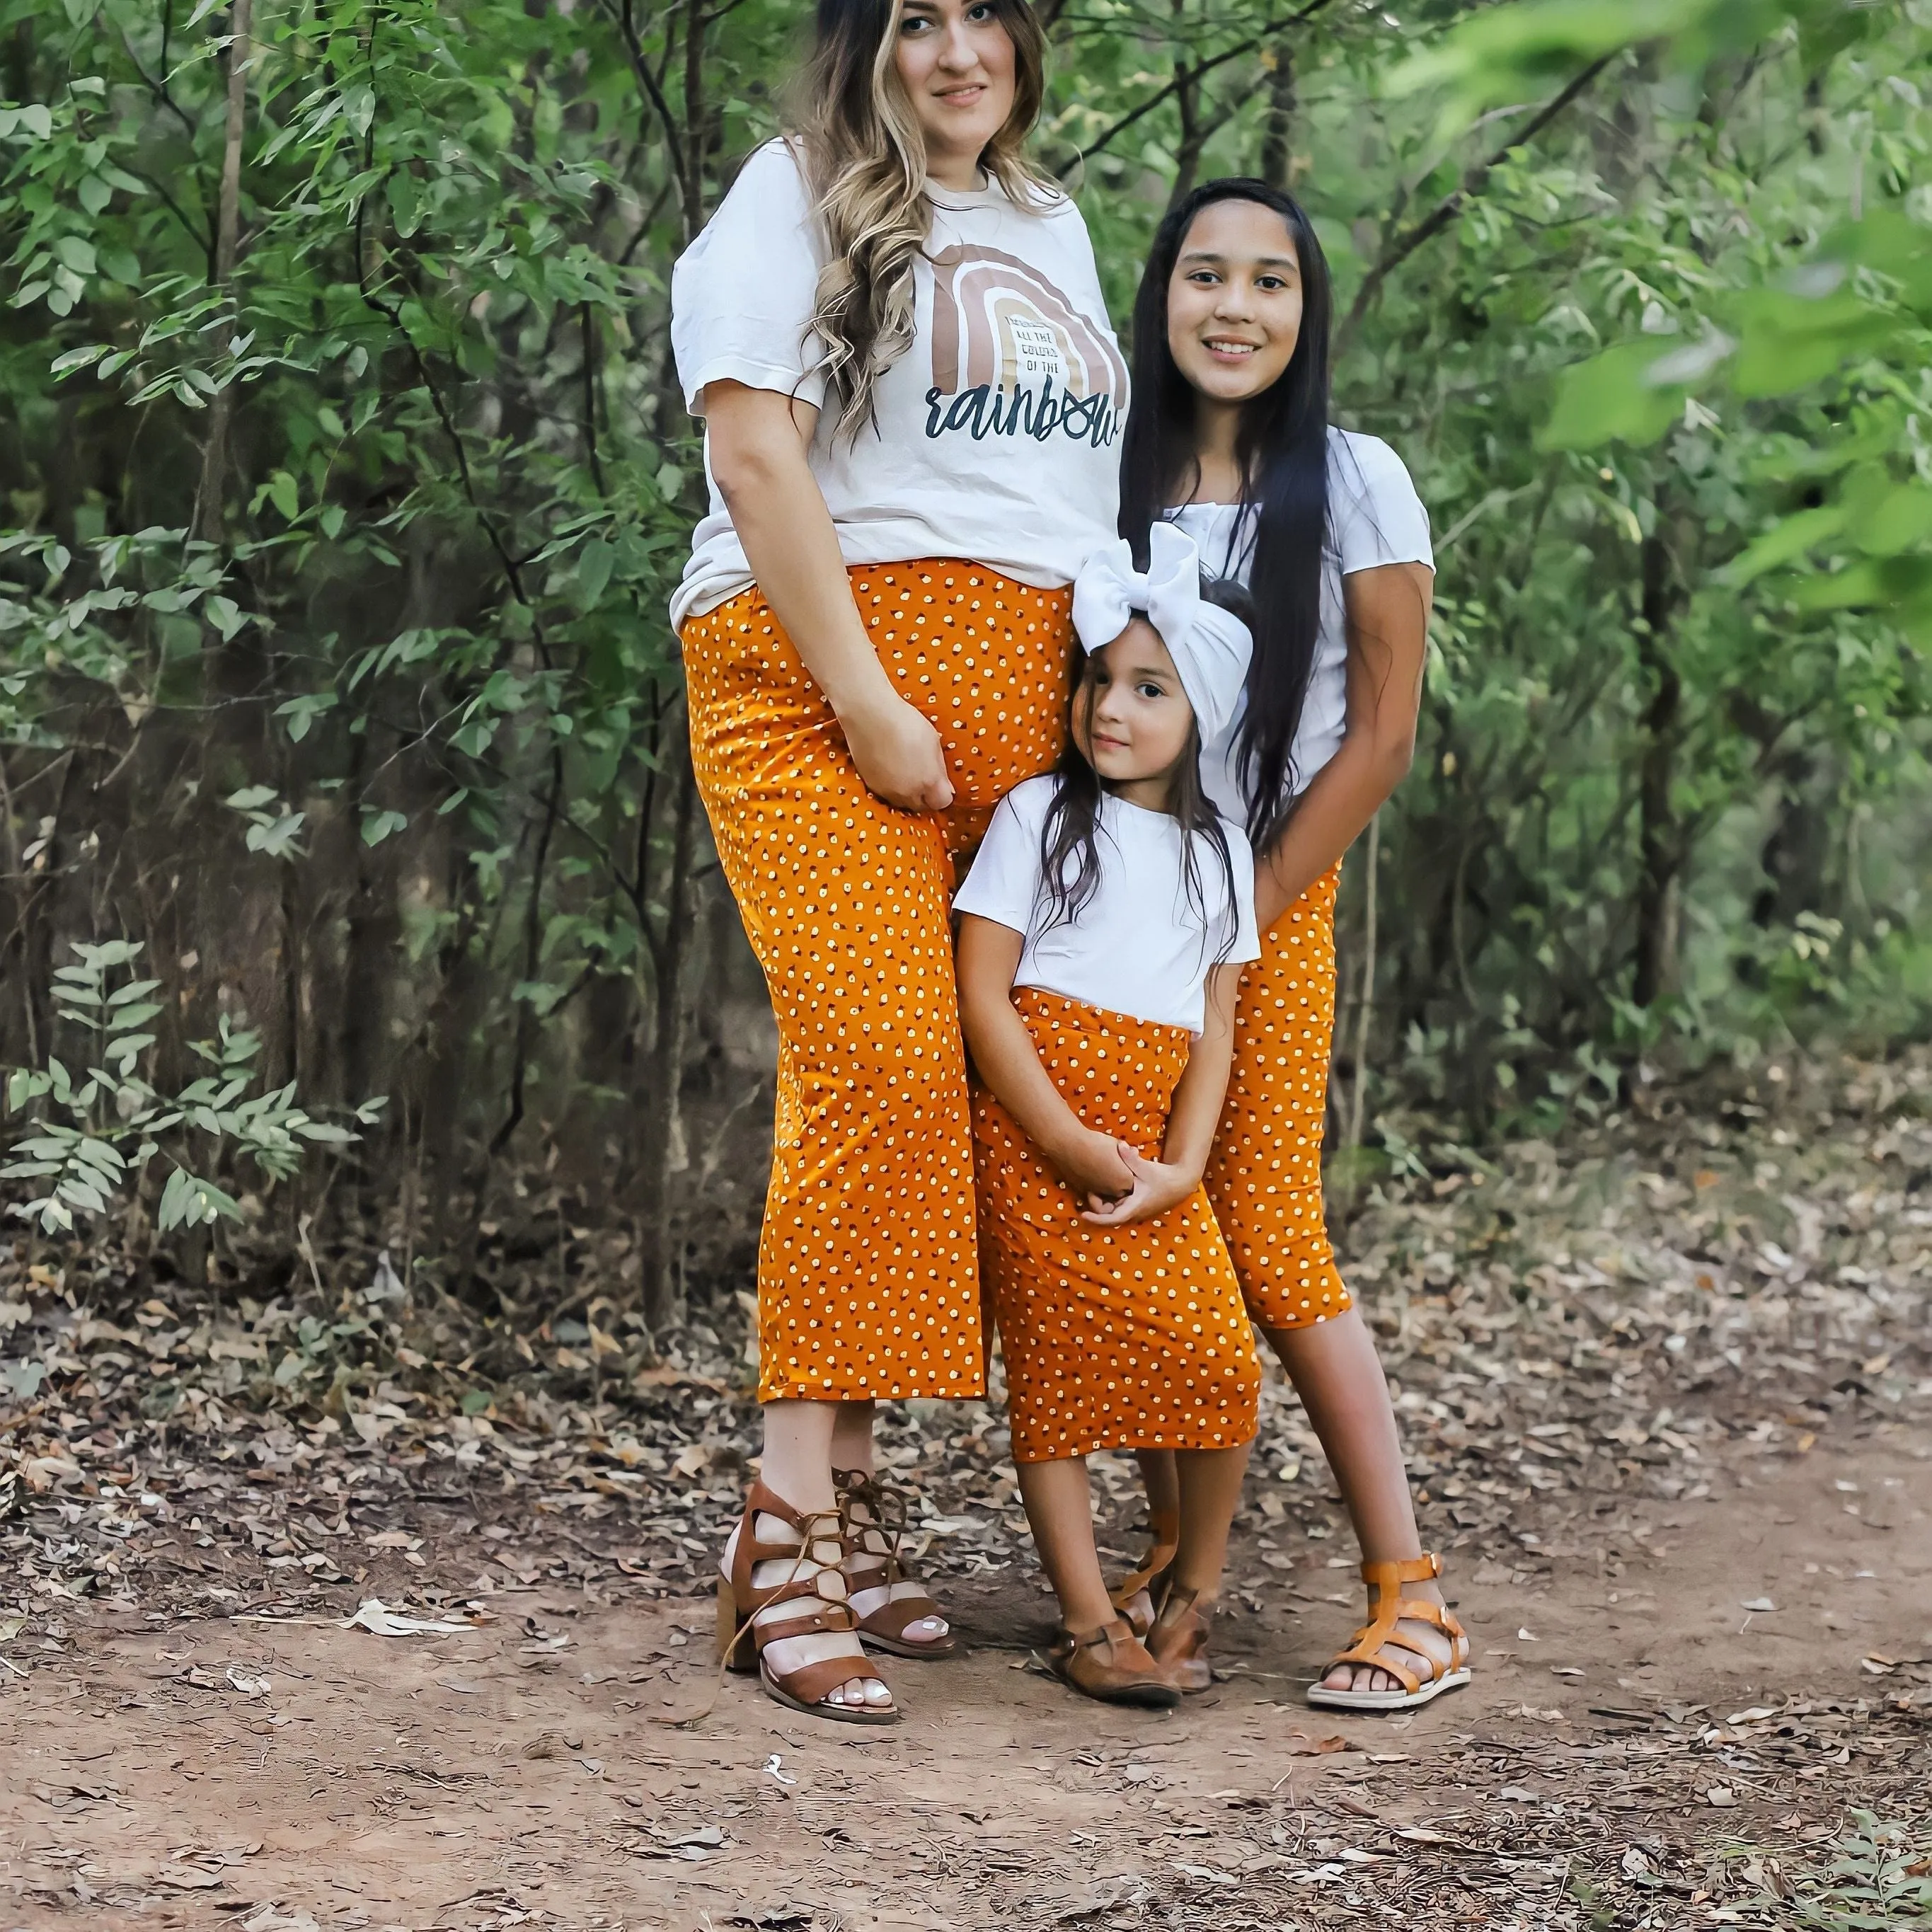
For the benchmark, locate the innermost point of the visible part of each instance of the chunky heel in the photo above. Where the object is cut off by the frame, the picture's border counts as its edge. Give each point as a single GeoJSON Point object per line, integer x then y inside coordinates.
{"type": "Point", "coordinates": [737, 1649]}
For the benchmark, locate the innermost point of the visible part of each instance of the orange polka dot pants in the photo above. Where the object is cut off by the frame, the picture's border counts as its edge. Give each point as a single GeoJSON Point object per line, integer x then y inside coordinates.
{"type": "Point", "coordinates": [867, 1279]}
{"type": "Point", "coordinates": [1115, 1338]}
{"type": "Point", "coordinates": [1265, 1175]}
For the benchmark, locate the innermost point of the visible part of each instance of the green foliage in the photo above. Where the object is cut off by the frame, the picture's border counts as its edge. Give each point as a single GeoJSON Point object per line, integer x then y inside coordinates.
{"type": "Point", "coordinates": [84, 1138]}
{"type": "Point", "coordinates": [334, 592]}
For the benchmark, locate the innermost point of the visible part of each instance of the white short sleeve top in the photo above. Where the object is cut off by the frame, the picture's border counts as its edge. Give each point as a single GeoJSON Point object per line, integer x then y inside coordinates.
{"type": "Point", "coordinates": [1375, 517]}
{"type": "Point", "coordinates": [1140, 945]}
{"type": "Point", "coordinates": [996, 432]}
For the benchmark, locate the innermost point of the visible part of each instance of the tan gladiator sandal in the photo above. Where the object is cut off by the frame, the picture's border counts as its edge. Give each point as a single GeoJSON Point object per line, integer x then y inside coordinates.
{"type": "Point", "coordinates": [1178, 1641]}
{"type": "Point", "coordinates": [1112, 1665]}
{"type": "Point", "coordinates": [1376, 1645]}
{"type": "Point", "coordinates": [871, 1520]}
{"type": "Point", "coordinates": [816, 1586]}
{"type": "Point", "coordinates": [1133, 1596]}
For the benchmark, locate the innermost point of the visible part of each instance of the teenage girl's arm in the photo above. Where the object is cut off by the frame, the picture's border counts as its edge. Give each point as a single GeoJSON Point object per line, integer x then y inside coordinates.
{"type": "Point", "coordinates": [1388, 638]}
{"type": "Point", "coordinates": [1090, 1162]}
{"type": "Point", "coordinates": [1161, 1184]}
{"type": "Point", "coordinates": [758, 442]}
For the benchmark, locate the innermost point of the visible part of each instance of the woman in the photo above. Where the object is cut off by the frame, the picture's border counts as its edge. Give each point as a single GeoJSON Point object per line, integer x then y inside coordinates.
{"type": "Point", "coordinates": [1230, 438]}
{"type": "Point", "coordinates": [894, 330]}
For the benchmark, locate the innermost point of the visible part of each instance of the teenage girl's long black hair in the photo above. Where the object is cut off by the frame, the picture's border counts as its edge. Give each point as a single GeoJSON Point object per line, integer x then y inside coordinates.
{"type": "Point", "coordinates": [1070, 832]}
{"type": "Point", "coordinates": [1283, 448]}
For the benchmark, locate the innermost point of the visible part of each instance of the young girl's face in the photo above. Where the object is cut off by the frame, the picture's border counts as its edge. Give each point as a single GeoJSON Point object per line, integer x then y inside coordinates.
{"type": "Point", "coordinates": [1234, 301]}
{"type": "Point", "coordinates": [1133, 722]}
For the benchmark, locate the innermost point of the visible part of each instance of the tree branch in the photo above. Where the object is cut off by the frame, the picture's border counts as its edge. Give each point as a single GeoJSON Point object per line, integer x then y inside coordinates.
{"type": "Point", "coordinates": [1183, 78]}
{"type": "Point", "coordinates": [1474, 180]}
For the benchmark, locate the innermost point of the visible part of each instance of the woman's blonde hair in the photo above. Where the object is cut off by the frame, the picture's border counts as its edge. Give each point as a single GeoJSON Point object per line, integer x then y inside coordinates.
{"type": "Point", "coordinates": [864, 158]}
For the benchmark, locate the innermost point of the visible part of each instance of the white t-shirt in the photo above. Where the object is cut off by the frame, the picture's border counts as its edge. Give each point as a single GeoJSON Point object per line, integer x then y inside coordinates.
{"type": "Point", "coordinates": [997, 429]}
{"type": "Point", "coordinates": [1375, 517]}
{"type": "Point", "coordinates": [1139, 946]}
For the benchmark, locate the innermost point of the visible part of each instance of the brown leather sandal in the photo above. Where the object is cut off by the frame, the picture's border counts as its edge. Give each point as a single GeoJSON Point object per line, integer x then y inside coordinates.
{"type": "Point", "coordinates": [1376, 1645]}
{"type": "Point", "coordinates": [1112, 1664]}
{"type": "Point", "coordinates": [871, 1520]}
{"type": "Point", "coordinates": [1134, 1596]}
{"type": "Point", "coordinates": [1178, 1641]}
{"type": "Point", "coordinates": [815, 1580]}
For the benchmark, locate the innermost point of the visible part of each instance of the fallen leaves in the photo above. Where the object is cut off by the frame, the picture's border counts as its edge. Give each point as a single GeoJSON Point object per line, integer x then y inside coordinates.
{"type": "Point", "coordinates": [376, 1617]}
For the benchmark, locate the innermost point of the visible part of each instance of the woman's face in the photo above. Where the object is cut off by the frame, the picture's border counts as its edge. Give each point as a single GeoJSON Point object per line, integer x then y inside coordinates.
{"type": "Point", "coordinates": [955, 61]}
{"type": "Point", "coordinates": [1234, 301]}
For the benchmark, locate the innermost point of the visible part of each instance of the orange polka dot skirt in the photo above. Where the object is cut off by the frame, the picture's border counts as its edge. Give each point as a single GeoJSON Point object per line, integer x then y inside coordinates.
{"type": "Point", "coordinates": [1265, 1175]}
{"type": "Point", "coordinates": [1115, 1338]}
{"type": "Point", "coordinates": [868, 1280]}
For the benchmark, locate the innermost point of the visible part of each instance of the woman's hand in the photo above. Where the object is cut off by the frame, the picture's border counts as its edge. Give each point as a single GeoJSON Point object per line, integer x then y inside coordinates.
{"type": "Point", "coordinates": [1091, 1165]}
{"type": "Point", "coordinates": [1157, 1186]}
{"type": "Point", "coordinates": [897, 752]}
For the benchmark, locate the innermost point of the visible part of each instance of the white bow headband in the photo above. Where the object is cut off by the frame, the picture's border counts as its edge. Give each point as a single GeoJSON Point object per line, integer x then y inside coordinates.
{"type": "Point", "coordinates": [1211, 647]}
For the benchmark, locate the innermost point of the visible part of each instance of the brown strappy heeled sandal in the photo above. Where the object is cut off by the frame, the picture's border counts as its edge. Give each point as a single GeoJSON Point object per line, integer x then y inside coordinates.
{"type": "Point", "coordinates": [1178, 1641]}
{"type": "Point", "coordinates": [1112, 1665]}
{"type": "Point", "coordinates": [1133, 1596]}
{"type": "Point", "coordinates": [1376, 1645]}
{"type": "Point", "coordinates": [871, 1562]}
{"type": "Point", "coordinates": [815, 1580]}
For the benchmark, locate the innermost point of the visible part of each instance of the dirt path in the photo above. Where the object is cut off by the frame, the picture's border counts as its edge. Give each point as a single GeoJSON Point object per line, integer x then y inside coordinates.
{"type": "Point", "coordinates": [273, 1775]}
{"type": "Point", "coordinates": [1667, 1388]}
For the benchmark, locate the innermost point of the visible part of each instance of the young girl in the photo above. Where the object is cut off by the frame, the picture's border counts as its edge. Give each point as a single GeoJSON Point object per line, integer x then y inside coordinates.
{"type": "Point", "coordinates": [1229, 439]}
{"type": "Point", "coordinates": [1104, 922]}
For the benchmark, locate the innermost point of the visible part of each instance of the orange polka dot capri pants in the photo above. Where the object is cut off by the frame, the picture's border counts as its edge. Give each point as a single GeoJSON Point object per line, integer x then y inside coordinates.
{"type": "Point", "coordinates": [1265, 1175]}
{"type": "Point", "coordinates": [868, 1276]}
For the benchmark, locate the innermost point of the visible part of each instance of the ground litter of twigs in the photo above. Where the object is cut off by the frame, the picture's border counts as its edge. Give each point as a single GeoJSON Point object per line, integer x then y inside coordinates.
{"type": "Point", "coordinates": [1666, 1383]}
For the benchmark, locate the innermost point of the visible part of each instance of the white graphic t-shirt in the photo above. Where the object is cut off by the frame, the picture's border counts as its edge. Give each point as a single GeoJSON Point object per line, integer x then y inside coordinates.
{"type": "Point", "coordinates": [996, 433]}
{"type": "Point", "coordinates": [1375, 517]}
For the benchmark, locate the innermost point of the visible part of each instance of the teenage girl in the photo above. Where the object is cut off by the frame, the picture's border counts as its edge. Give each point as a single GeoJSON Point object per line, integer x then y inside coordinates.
{"type": "Point", "coordinates": [1105, 920]}
{"type": "Point", "coordinates": [1229, 440]}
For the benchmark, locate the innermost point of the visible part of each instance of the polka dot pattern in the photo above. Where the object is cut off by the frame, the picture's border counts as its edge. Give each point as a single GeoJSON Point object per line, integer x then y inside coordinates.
{"type": "Point", "coordinates": [1265, 1175]}
{"type": "Point", "coordinates": [1115, 1338]}
{"type": "Point", "coordinates": [867, 1282]}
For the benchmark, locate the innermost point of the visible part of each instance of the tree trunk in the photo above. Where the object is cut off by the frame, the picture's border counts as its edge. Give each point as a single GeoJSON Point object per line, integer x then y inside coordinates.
{"type": "Point", "coordinates": [1659, 849]}
{"type": "Point", "coordinates": [661, 1134]}
{"type": "Point", "coordinates": [1277, 159]}
{"type": "Point", "coordinates": [228, 228]}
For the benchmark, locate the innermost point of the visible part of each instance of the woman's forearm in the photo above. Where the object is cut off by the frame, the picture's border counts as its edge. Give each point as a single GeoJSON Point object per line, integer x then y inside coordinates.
{"type": "Point", "coordinates": [757, 441]}
{"type": "Point", "coordinates": [758, 444]}
{"type": "Point", "coordinates": [1347, 791]}
{"type": "Point", "coordinates": [1388, 615]}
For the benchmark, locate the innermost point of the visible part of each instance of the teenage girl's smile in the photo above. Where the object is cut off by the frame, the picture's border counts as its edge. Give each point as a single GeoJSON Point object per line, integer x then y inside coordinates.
{"type": "Point", "coordinates": [1234, 301]}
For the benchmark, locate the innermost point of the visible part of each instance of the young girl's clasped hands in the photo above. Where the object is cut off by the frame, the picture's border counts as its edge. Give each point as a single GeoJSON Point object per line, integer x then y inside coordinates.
{"type": "Point", "coordinates": [1104, 923]}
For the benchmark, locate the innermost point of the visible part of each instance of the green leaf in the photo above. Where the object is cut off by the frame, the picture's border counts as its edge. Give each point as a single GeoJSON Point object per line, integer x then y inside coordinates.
{"type": "Point", "coordinates": [1611, 399]}
{"type": "Point", "coordinates": [378, 825]}
{"type": "Point", "coordinates": [286, 495]}
{"type": "Point", "coordinates": [1784, 542]}
{"type": "Point", "coordinates": [226, 616]}
{"type": "Point", "coordinates": [1900, 522]}
{"type": "Point", "coordinates": [405, 202]}
{"type": "Point", "coordinates": [301, 712]}
{"type": "Point", "coordinates": [595, 563]}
